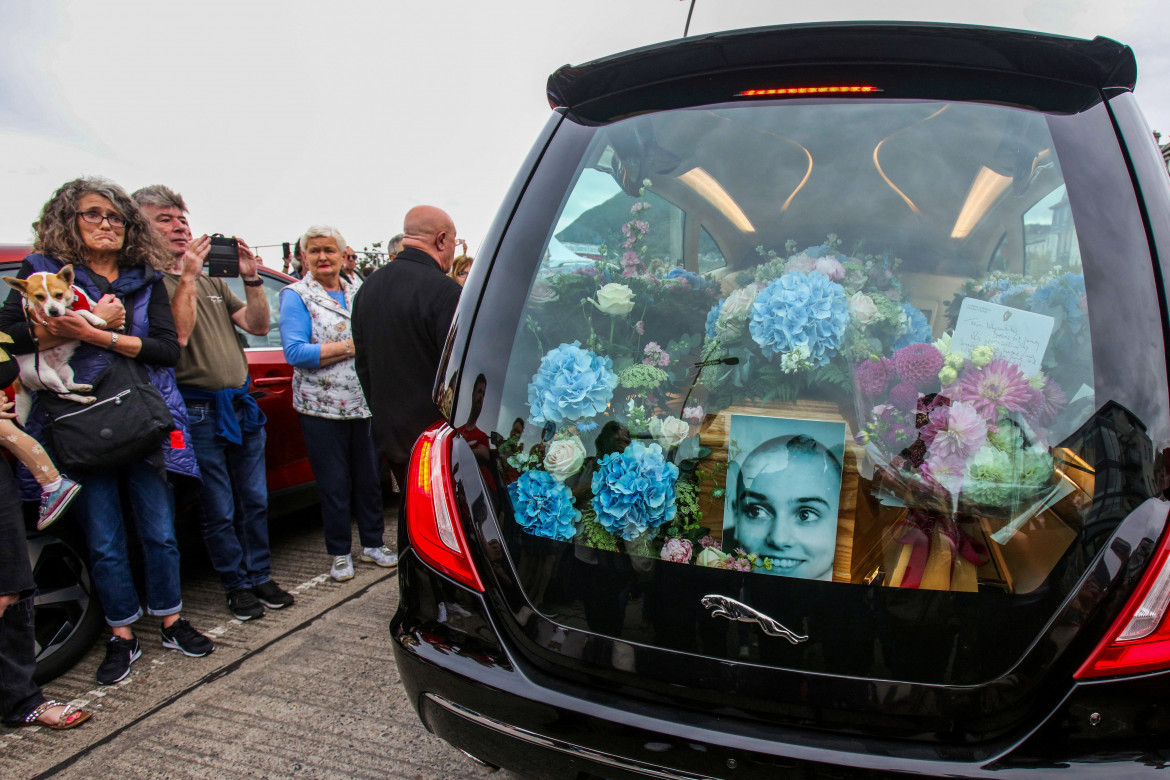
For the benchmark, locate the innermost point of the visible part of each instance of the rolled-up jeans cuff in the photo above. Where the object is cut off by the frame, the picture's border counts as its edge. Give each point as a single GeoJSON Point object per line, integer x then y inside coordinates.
{"type": "Point", "coordinates": [164, 612]}
{"type": "Point", "coordinates": [124, 621]}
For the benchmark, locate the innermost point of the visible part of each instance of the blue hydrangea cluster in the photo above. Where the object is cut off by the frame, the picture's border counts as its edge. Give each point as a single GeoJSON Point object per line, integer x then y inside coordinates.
{"type": "Point", "coordinates": [1061, 300]}
{"type": "Point", "coordinates": [800, 309]}
{"type": "Point", "coordinates": [571, 384]}
{"type": "Point", "coordinates": [633, 491]}
{"type": "Point", "coordinates": [917, 328]}
{"type": "Point", "coordinates": [1004, 292]}
{"type": "Point", "coordinates": [696, 281]}
{"type": "Point", "coordinates": [712, 316]}
{"type": "Point", "coordinates": [544, 506]}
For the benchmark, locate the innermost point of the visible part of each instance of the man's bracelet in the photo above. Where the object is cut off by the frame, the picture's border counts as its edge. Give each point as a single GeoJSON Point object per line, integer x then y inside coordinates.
{"type": "Point", "coordinates": [253, 282]}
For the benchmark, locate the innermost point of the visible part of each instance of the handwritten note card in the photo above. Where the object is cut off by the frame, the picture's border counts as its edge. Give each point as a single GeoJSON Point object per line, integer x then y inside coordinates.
{"type": "Point", "coordinates": [1016, 335]}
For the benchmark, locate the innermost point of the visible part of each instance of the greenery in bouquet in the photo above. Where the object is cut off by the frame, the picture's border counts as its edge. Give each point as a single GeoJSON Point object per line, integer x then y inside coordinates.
{"type": "Point", "coordinates": [953, 429]}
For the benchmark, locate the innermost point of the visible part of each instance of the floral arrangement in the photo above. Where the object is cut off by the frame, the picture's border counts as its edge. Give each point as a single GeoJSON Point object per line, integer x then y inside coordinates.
{"type": "Point", "coordinates": [953, 434]}
{"type": "Point", "coordinates": [797, 320]}
{"type": "Point", "coordinates": [958, 432]}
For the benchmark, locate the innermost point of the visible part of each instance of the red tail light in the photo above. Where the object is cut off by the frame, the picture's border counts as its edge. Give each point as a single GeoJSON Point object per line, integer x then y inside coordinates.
{"type": "Point", "coordinates": [432, 519]}
{"type": "Point", "coordinates": [1139, 640]}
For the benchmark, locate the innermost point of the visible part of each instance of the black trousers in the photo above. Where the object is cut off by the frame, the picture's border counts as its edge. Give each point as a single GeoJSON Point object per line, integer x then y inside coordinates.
{"type": "Point", "coordinates": [345, 464]}
{"type": "Point", "coordinates": [19, 695]}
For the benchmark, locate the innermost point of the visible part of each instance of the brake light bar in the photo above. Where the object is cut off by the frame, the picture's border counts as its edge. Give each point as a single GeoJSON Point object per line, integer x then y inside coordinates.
{"type": "Point", "coordinates": [846, 89]}
{"type": "Point", "coordinates": [1139, 640]}
{"type": "Point", "coordinates": [432, 517]}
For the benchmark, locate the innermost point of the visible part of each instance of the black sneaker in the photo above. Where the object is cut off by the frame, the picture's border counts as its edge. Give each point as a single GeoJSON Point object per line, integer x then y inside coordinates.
{"type": "Point", "coordinates": [243, 604]}
{"type": "Point", "coordinates": [272, 595]}
{"type": "Point", "coordinates": [120, 653]}
{"type": "Point", "coordinates": [180, 636]}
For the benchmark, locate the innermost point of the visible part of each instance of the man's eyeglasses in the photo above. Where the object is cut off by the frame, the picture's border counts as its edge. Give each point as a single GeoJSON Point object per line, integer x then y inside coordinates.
{"type": "Point", "coordinates": [351, 257]}
{"type": "Point", "coordinates": [94, 218]}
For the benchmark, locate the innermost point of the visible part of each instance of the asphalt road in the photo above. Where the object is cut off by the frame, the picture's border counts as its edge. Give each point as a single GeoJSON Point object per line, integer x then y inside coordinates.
{"type": "Point", "coordinates": [310, 691]}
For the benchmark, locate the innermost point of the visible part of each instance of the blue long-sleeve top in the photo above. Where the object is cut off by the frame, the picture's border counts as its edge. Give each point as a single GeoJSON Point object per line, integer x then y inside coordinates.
{"type": "Point", "coordinates": [296, 329]}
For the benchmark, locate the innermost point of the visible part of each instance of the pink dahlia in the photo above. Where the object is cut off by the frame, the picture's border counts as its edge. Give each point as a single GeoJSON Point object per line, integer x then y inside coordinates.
{"type": "Point", "coordinates": [918, 364]}
{"type": "Point", "coordinates": [945, 470]}
{"type": "Point", "coordinates": [998, 384]}
{"type": "Point", "coordinates": [957, 431]}
{"type": "Point", "coordinates": [904, 397]}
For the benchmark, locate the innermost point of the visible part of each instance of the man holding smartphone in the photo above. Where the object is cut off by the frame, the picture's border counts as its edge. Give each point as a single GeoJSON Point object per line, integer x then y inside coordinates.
{"type": "Point", "coordinates": [226, 425]}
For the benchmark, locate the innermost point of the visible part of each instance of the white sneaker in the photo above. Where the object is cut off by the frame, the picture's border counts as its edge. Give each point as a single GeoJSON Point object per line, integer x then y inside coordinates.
{"type": "Point", "coordinates": [383, 556]}
{"type": "Point", "coordinates": [342, 569]}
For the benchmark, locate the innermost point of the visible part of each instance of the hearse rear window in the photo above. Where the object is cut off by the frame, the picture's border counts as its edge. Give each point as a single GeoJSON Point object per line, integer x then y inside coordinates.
{"type": "Point", "coordinates": [835, 341]}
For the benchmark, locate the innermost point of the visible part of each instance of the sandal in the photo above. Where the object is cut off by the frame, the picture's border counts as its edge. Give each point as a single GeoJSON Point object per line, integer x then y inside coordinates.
{"type": "Point", "coordinates": [70, 717]}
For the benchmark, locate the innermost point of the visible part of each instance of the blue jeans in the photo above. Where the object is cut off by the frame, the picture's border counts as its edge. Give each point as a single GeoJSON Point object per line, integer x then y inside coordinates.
{"type": "Point", "coordinates": [99, 508]}
{"type": "Point", "coordinates": [233, 501]}
{"type": "Point", "coordinates": [345, 463]}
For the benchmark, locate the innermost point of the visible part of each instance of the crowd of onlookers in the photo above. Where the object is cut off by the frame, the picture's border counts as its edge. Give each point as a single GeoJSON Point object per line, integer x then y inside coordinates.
{"type": "Point", "coordinates": [115, 307]}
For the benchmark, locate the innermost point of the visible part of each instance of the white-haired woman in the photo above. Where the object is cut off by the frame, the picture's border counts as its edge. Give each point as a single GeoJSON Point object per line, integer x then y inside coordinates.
{"type": "Point", "coordinates": [318, 344]}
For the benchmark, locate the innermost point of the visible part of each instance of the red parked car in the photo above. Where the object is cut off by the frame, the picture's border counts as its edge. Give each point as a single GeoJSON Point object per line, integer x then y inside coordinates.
{"type": "Point", "coordinates": [67, 616]}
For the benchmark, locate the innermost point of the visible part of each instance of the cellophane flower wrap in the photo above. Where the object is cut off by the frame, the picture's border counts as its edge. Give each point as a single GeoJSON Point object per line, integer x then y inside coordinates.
{"type": "Point", "coordinates": [544, 506]}
{"type": "Point", "coordinates": [633, 491]}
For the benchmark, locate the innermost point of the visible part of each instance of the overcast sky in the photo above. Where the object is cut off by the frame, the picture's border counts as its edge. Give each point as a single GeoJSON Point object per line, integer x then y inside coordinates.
{"type": "Point", "coordinates": [272, 116]}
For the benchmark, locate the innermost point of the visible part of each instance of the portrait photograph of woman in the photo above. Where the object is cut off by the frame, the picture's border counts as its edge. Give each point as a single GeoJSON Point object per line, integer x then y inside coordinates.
{"type": "Point", "coordinates": [784, 490]}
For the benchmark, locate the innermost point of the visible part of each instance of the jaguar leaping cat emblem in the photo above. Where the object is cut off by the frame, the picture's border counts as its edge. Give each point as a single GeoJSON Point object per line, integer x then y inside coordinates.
{"type": "Point", "coordinates": [733, 610]}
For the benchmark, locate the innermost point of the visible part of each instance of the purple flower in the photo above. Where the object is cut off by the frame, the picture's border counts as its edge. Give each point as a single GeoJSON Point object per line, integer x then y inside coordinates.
{"type": "Point", "coordinates": [872, 377]}
{"type": "Point", "coordinates": [904, 397]}
{"type": "Point", "coordinates": [694, 414]}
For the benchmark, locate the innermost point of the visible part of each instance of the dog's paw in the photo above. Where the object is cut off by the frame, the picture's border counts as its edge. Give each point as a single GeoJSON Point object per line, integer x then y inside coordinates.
{"type": "Point", "coordinates": [85, 400]}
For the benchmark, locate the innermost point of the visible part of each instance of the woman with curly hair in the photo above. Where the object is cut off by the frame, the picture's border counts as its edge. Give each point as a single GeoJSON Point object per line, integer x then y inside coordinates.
{"type": "Point", "coordinates": [93, 225]}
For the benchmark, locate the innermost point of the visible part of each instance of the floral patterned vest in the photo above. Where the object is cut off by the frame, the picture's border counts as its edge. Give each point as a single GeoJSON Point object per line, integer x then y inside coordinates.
{"type": "Point", "coordinates": [332, 392]}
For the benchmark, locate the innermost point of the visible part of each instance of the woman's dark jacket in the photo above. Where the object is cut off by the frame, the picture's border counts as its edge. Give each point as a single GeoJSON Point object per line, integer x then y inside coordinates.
{"type": "Point", "coordinates": [148, 316]}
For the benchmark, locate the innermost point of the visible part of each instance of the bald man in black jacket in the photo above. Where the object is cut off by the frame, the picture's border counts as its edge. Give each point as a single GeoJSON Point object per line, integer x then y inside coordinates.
{"type": "Point", "coordinates": [400, 320]}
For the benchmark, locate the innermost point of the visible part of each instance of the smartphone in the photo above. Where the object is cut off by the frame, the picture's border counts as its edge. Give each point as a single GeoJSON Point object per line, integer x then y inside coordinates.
{"type": "Point", "coordinates": [224, 257]}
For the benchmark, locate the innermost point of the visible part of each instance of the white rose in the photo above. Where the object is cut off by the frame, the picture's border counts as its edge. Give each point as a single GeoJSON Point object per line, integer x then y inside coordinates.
{"type": "Point", "coordinates": [564, 457]}
{"type": "Point", "coordinates": [739, 303]}
{"type": "Point", "coordinates": [616, 299]}
{"type": "Point", "coordinates": [669, 431]}
{"type": "Point", "coordinates": [862, 308]}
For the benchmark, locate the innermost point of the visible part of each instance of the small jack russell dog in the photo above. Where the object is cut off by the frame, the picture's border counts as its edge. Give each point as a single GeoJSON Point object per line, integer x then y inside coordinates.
{"type": "Point", "coordinates": [51, 295]}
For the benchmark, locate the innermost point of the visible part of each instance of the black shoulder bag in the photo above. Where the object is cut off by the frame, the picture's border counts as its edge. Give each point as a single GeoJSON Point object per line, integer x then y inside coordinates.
{"type": "Point", "coordinates": [129, 421]}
